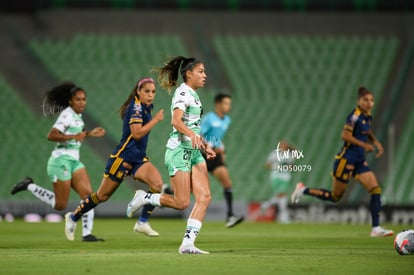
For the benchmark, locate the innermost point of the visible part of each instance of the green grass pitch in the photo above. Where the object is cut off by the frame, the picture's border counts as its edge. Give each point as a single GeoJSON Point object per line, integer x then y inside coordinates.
{"type": "Point", "coordinates": [250, 248]}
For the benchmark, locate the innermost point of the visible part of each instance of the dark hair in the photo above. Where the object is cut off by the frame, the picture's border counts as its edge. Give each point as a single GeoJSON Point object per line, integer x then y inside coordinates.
{"type": "Point", "coordinates": [60, 95]}
{"type": "Point", "coordinates": [168, 75]}
{"type": "Point", "coordinates": [219, 97]}
{"type": "Point", "coordinates": [133, 93]}
{"type": "Point", "coordinates": [362, 91]}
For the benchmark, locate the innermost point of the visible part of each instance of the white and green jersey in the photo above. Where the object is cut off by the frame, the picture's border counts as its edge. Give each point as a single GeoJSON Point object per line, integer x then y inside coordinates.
{"type": "Point", "coordinates": [68, 123]}
{"type": "Point", "coordinates": [187, 100]}
{"type": "Point", "coordinates": [278, 162]}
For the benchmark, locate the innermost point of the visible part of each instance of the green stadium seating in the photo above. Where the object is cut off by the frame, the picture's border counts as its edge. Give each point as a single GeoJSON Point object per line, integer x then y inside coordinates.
{"type": "Point", "coordinates": [298, 88]}
{"type": "Point", "coordinates": [398, 185]}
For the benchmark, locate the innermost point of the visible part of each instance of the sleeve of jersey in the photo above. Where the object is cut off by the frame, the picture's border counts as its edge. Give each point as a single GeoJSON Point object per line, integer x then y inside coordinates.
{"type": "Point", "coordinates": [62, 122]}
{"type": "Point", "coordinates": [135, 114]}
{"type": "Point", "coordinates": [350, 122]}
{"type": "Point", "coordinates": [180, 101]}
{"type": "Point", "coordinates": [271, 157]}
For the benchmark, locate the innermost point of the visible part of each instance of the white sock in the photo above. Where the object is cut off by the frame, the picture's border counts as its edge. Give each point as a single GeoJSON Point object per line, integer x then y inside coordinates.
{"type": "Point", "coordinates": [272, 201]}
{"type": "Point", "coordinates": [282, 205]}
{"type": "Point", "coordinates": [42, 194]}
{"type": "Point", "coordinates": [191, 232]}
{"type": "Point", "coordinates": [87, 222]}
{"type": "Point", "coordinates": [153, 199]}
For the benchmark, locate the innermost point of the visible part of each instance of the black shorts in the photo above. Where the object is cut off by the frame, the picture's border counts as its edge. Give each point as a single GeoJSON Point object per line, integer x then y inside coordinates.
{"type": "Point", "coordinates": [214, 163]}
{"type": "Point", "coordinates": [116, 171]}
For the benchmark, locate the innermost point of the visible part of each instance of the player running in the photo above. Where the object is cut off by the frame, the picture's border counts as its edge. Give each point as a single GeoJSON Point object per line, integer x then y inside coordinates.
{"type": "Point", "coordinates": [185, 163]}
{"type": "Point", "coordinates": [64, 168]}
{"type": "Point", "coordinates": [128, 158]}
{"type": "Point", "coordinates": [214, 126]}
{"type": "Point", "coordinates": [279, 180]}
{"type": "Point", "coordinates": [350, 162]}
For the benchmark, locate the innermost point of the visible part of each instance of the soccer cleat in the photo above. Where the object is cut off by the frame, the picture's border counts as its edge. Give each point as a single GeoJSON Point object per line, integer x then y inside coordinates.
{"type": "Point", "coordinates": [136, 203]}
{"type": "Point", "coordinates": [91, 238]}
{"type": "Point", "coordinates": [70, 227]}
{"type": "Point", "coordinates": [381, 232]}
{"type": "Point", "coordinates": [21, 186]}
{"type": "Point", "coordinates": [298, 193]}
{"type": "Point", "coordinates": [191, 249]}
{"type": "Point", "coordinates": [233, 221]}
{"type": "Point", "coordinates": [145, 228]}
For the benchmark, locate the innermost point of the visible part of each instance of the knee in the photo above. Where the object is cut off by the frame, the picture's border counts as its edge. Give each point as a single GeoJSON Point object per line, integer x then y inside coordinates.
{"type": "Point", "coordinates": [60, 205]}
{"type": "Point", "coordinates": [204, 199]}
{"type": "Point", "coordinates": [98, 197]}
{"type": "Point", "coordinates": [376, 190]}
{"type": "Point", "coordinates": [227, 184]}
{"type": "Point", "coordinates": [336, 197]}
{"type": "Point", "coordinates": [156, 187]}
{"type": "Point", "coordinates": [182, 204]}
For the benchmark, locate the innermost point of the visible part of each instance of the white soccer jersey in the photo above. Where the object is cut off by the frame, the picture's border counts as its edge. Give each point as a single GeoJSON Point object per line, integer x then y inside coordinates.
{"type": "Point", "coordinates": [68, 123]}
{"type": "Point", "coordinates": [187, 100]}
{"type": "Point", "coordinates": [277, 159]}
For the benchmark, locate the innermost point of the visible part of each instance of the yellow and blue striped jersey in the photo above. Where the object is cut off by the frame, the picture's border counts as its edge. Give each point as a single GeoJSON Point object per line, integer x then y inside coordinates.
{"type": "Point", "coordinates": [360, 126]}
{"type": "Point", "coordinates": [129, 148]}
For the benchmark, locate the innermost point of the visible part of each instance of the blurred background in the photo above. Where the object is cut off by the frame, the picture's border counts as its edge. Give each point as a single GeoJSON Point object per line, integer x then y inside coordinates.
{"type": "Point", "coordinates": [292, 67]}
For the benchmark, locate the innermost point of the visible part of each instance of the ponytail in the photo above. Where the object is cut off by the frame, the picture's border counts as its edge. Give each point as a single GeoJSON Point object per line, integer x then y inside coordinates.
{"type": "Point", "coordinates": [168, 75]}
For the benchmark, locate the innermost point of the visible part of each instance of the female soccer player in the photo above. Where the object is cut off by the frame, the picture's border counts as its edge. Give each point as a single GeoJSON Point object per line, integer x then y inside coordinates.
{"type": "Point", "coordinates": [128, 158]}
{"type": "Point", "coordinates": [214, 126]}
{"type": "Point", "coordinates": [186, 165]}
{"type": "Point", "coordinates": [279, 180]}
{"type": "Point", "coordinates": [64, 167]}
{"type": "Point", "coordinates": [350, 162]}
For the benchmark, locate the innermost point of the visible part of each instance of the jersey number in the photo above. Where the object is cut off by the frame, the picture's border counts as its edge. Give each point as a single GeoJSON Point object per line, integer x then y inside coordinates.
{"type": "Point", "coordinates": [187, 155]}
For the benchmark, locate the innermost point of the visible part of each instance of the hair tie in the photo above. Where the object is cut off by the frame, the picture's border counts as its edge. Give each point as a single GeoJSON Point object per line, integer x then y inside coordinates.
{"type": "Point", "coordinates": [74, 89]}
{"type": "Point", "coordinates": [143, 81]}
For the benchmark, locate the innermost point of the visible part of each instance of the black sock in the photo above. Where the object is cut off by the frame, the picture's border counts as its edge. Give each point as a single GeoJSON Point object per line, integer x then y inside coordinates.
{"type": "Point", "coordinates": [320, 193]}
{"type": "Point", "coordinates": [90, 202]}
{"type": "Point", "coordinates": [375, 207]}
{"type": "Point", "coordinates": [228, 195]}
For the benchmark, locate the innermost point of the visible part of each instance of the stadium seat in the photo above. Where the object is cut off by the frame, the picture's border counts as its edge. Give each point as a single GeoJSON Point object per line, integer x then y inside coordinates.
{"type": "Point", "coordinates": [298, 88]}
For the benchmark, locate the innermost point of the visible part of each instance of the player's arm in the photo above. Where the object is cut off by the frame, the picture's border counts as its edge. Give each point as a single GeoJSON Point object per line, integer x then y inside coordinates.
{"type": "Point", "coordinates": [96, 132]}
{"type": "Point", "coordinates": [57, 136]}
{"type": "Point", "coordinates": [348, 137]}
{"type": "Point", "coordinates": [208, 151]}
{"type": "Point", "coordinates": [377, 144]}
{"type": "Point", "coordinates": [138, 130]}
{"type": "Point", "coordinates": [177, 122]}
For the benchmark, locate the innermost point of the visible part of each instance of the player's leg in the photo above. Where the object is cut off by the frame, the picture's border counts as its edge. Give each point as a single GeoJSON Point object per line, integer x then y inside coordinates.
{"type": "Point", "coordinates": [58, 170]}
{"type": "Point", "coordinates": [200, 186]}
{"type": "Point", "coordinates": [150, 175]}
{"type": "Point", "coordinates": [178, 163]}
{"type": "Point", "coordinates": [342, 173]}
{"type": "Point", "coordinates": [370, 183]}
{"type": "Point", "coordinates": [82, 185]}
{"type": "Point", "coordinates": [274, 198]}
{"type": "Point", "coordinates": [222, 174]}
{"type": "Point", "coordinates": [106, 189]}
{"type": "Point", "coordinates": [282, 206]}
{"type": "Point", "coordinates": [280, 186]}
{"type": "Point", "coordinates": [115, 171]}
